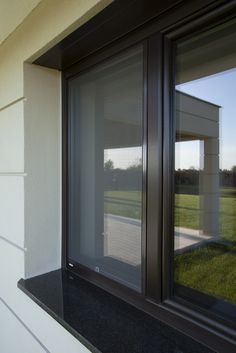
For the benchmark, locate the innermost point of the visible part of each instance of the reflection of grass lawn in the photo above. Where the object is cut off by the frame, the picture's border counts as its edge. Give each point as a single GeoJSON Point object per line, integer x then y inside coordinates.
{"type": "Point", "coordinates": [210, 270]}
{"type": "Point", "coordinates": [187, 213]}
{"type": "Point", "coordinates": [128, 204]}
{"type": "Point", "coordinates": [123, 203]}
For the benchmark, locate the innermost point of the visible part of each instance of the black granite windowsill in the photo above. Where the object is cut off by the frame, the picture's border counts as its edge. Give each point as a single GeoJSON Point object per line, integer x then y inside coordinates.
{"type": "Point", "coordinates": [102, 322]}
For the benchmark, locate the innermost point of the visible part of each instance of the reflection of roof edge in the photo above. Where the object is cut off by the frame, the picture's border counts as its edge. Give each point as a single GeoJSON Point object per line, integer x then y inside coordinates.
{"type": "Point", "coordinates": [199, 99]}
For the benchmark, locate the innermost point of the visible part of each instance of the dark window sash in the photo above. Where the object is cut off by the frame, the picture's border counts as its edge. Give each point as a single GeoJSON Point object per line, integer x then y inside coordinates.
{"type": "Point", "coordinates": [183, 308]}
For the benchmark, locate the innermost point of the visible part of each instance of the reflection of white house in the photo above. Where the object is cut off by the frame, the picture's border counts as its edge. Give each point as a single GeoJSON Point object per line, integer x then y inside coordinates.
{"type": "Point", "coordinates": [196, 120]}
{"type": "Point", "coordinates": [199, 120]}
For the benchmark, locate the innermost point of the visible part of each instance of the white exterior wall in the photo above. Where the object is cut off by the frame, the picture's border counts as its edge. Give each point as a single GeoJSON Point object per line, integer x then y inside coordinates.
{"type": "Point", "coordinates": [199, 120]}
{"type": "Point", "coordinates": [42, 111]}
{"type": "Point", "coordinates": [30, 147]}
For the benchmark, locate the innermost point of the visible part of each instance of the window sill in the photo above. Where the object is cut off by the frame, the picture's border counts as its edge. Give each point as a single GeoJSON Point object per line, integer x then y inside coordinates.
{"type": "Point", "coordinates": [102, 322]}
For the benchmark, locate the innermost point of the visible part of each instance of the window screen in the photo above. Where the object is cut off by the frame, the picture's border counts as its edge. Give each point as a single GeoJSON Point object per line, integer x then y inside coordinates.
{"type": "Point", "coordinates": [105, 168]}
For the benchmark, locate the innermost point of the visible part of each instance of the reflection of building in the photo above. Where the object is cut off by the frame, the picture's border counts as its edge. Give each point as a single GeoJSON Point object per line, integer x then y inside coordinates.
{"type": "Point", "coordinates": [199, 120]}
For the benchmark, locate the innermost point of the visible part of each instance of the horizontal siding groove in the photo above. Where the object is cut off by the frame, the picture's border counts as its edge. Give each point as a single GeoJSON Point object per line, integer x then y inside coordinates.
{"type": "Point", "coordinates": [13, 174]}
{"type": "Point", "coordinates": [24, 325]}
{"type": "Point", "coordinates": [13, 244]}
{"type": "Point", "coordinates": [195, 115]}
{"type": "Point", "coordinates": [12, 103]}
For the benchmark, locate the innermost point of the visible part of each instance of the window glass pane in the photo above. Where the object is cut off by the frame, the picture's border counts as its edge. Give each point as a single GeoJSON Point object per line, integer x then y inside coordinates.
{"type": "Point", "coordinates": [205, 170]}
{"type": "Point", "coordinates": [105, 172]}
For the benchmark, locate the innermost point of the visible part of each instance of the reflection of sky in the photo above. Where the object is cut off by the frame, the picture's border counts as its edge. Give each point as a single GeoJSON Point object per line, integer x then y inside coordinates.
{"type": "Point", "coordinates": [123, 157]}
{"type": "Point", "coordinates": [187, 155]}
{"type": "Point", "coordinates": [219, 89]}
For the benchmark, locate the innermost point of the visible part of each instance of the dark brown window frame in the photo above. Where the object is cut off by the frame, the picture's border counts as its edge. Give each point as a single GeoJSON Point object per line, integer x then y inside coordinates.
{"type": "Point", "coordinates": [152, 75]}
{"type": "Point", "coordinates": [158, 178]}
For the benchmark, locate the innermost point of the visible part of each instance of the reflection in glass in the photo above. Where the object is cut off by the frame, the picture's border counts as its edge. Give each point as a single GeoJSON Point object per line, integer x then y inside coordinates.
{"type": "Point", "coordinates": [105, 185]}
{"type": "Point", "coordinates": [205, 170]}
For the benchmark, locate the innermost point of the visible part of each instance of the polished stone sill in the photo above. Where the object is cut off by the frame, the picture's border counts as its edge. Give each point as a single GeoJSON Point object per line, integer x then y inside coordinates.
{"type": "Point", "coordinates": [102, 322]}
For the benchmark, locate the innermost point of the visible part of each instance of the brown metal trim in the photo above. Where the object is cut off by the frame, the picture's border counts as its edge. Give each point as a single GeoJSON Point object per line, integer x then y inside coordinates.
{"type": "Point", "coordinates": [154, 167]}
{"type": "Point", "coordinates": [139, 17]}
{"type": "Point", "coordinates": [202, 327]}
{"type": "Point", "coordinates": [206, 18]}
{"type": "Point", "coordinates": [144, 176]}
{"type": "Point", "coordinates": [102, 29]}
{"type": "Point", "coordinates": [64, 225]}
{"type": "Point", "coordinates": [168, 168]}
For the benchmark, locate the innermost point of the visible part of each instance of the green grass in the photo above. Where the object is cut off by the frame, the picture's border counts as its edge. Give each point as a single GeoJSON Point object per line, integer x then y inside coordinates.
{"type": "Point", "coordinates": [210, 270]}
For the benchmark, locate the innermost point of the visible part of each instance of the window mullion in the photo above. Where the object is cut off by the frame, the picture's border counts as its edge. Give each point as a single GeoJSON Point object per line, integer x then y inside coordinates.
{"type": "Point", "coordinates": [154, 168]}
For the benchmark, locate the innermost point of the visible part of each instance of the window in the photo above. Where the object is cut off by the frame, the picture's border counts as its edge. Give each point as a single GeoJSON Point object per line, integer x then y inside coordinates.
{"type": "Point", "coordinates": [150, 170]}
{"type": "Point", "coordinates": [105, 178]}
{"type": "Point", "coordinates": [205, 170]}
{"type": "Point", "coordinates": [112, 226]}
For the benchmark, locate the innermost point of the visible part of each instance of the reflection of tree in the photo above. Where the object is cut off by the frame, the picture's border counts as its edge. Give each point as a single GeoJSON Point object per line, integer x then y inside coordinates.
{"type": "Point", "coordinates": [228, 177]}
{"type": "Point", "coordinates": [137, 166]}
{"type": "Point", "coordinates": [233, 169]}
{"type": "Point", "coordinates": [129, 178]}
{"type": "Point", "coordinates": [187, 176]}
{"type": "Point", "coordinates": [187, 180]}
{"type": "Point", "coordinates": [108, 165]}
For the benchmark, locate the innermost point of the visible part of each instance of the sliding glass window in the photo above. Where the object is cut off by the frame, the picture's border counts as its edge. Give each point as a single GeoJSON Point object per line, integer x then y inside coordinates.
{"type": "Point", "coordinates": [205, 170]}
{"type": "Point", "coordinates": [106, 168]}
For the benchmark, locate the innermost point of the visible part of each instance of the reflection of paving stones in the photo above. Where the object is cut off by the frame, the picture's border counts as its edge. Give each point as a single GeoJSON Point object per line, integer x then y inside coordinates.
{"type": "Point", "coordinates": [122, 239]}
{"type": "Point", "coordinates": [187, 239]}
{"type": "Point", "coordinates": [133, 221]}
